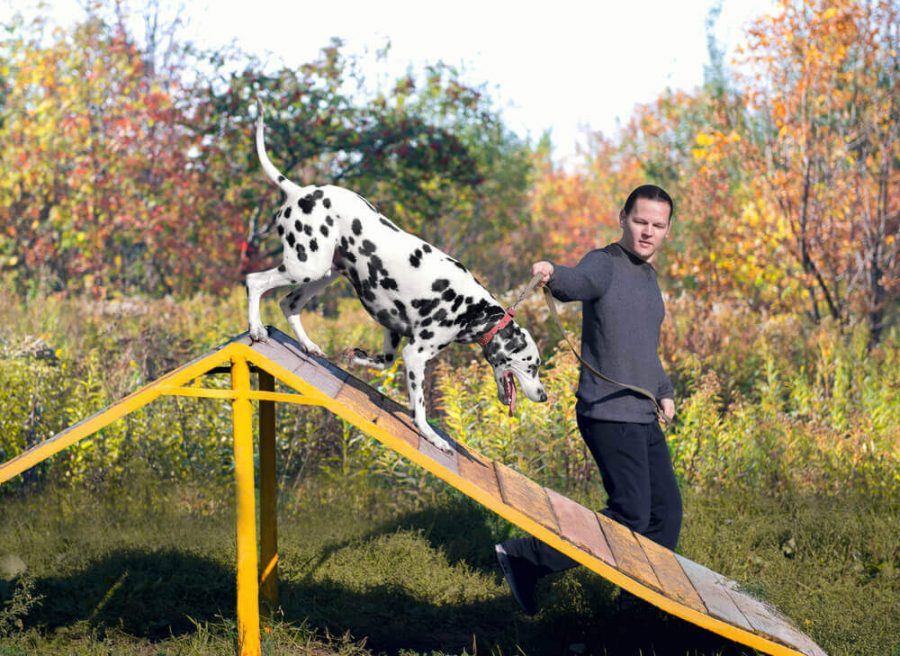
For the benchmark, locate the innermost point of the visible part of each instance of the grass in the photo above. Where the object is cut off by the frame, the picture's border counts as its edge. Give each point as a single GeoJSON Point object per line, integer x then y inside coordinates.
{"type": "Point", "coordinates": [149, 569]}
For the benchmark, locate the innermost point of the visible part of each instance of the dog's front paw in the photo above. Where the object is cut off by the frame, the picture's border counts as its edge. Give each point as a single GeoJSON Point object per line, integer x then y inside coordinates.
{"type": "Point", "coordinates": [259, 333]}
{"type": "Point", "coordinates": [312, 348]}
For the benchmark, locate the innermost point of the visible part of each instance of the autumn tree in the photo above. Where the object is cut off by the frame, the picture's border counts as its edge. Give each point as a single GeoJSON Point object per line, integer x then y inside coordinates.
{"type": "Point", "coordinates": [823, 83]}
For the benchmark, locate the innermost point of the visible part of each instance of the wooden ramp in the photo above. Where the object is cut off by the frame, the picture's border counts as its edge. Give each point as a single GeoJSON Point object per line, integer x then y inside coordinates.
{"type": "Point", "coordinates": [669, 581]}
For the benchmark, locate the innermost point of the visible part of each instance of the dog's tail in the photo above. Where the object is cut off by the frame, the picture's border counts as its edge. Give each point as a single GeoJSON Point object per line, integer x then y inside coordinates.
{"type": "Point", "coordinates": [273, 173]}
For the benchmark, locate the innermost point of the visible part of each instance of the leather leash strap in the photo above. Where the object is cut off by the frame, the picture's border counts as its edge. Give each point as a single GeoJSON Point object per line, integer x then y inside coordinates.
{"type": "Point", "coordinates": [548, 297]}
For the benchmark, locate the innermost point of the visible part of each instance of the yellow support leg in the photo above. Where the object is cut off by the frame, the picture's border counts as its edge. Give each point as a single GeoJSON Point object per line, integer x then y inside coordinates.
{"type": "Point", "coordinates": [247, 562]}
{"type": "Point", "coordinates": [268, 520]}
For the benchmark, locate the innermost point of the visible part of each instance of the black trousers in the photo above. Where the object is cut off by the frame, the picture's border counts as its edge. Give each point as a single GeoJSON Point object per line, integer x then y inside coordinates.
{"type": "Point", "coordinates": [637, 473]}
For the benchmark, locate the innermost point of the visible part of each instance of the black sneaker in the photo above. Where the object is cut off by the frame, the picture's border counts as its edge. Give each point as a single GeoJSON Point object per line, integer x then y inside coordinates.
{"type": "Point", "coordinates": [520, 577]}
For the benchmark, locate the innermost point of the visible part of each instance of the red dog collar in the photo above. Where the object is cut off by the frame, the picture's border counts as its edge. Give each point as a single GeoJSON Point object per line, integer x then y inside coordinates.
{"type": "Point", "coordinates": [497, 327]}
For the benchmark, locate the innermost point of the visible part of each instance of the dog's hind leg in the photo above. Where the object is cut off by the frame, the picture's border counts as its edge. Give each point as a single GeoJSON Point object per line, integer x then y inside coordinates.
{"type": "Point", "coordinates": [382, 360]}
{"type": "Point", "coordinates": [296, 300]}
{"type": "Point", "coordinates": [258, 284]}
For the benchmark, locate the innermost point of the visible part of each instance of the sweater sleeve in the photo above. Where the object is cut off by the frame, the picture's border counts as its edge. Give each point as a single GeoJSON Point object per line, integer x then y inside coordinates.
{"type": "Point", "coordinates": [666, 390]}
{"type": "Point", "coordinates": [585, 281]}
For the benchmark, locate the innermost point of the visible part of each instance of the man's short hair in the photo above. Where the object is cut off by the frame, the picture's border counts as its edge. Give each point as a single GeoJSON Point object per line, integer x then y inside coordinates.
{"type": "Point", "coordinates": [650, 192]}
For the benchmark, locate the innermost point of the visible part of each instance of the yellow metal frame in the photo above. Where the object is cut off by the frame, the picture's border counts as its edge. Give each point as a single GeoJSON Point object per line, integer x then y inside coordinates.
{"type": "Point", "coordinates": [250, 580]}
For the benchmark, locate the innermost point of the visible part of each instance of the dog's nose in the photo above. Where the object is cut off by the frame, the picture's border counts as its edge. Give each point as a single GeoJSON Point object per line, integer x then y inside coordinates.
{"type": "Point", "coordinates": [543, 396]}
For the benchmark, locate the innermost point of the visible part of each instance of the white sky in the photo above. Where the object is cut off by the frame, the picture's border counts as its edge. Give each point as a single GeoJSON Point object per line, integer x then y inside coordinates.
{"type": "Point", "coordinates": [564, 65]}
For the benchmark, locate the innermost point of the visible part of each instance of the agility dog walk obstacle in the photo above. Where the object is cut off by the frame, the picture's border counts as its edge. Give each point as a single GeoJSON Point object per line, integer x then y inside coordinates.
{"type": "Point", "coordinates": [673, 583]}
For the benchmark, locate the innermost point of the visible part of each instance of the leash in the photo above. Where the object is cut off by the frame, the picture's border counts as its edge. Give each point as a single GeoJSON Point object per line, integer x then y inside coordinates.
{"type": "Point", "coordinates": [548, 297]}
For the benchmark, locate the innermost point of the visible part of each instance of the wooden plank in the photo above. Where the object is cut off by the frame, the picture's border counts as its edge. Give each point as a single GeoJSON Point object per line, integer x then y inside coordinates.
{"type": "Point", "coordinates": [714, 595]}
{"type": "Point", "coordinates": [359, 397]}
{"type": "Point", "coordinates": [770, 622]}
{"type": "Point", "coordinates": [525, 495]}
{"type": "Point", "coordinates": [300, 365]}
{"type": "Point", "coordinates": [446, 460]}
{"type": "Point", "coordinates": [394, 419]}
{"type": "Point", "coordinates": [627, 552]}
{"type": "Point", "coordinates": [579, 526]}
{"type": "Point", "coordinates": [477, 469]}
{"type": "Point", "coordinates": [671, 576]}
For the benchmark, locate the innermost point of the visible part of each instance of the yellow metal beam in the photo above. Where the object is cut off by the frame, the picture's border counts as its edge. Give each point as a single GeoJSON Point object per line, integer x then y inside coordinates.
{"type": "Point", "coordinates": [245, 493]}
{"type": "Point", "coordinates": [207, 393]}
{"type": "Point", "coordinates": [268, 495]}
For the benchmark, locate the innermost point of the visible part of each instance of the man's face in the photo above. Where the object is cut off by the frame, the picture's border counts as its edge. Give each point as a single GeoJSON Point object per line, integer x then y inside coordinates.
{"type": "Point", "coordinates": [645, 228]}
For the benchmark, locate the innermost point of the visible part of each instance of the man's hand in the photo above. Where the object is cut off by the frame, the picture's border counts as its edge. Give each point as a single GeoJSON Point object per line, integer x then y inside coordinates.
{"type": "Point", "coordinates": [668, 408]}
{"type": "Point", "coordinates": [545, 269]}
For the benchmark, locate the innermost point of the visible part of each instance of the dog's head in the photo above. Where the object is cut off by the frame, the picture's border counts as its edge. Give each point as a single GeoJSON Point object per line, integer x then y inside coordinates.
{"type": "Point", "coordinates": [513, 351]}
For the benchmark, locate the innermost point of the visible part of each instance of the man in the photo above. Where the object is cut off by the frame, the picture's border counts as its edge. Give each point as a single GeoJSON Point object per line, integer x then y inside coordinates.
{"type": "Point", "coordinates": [622, 310]}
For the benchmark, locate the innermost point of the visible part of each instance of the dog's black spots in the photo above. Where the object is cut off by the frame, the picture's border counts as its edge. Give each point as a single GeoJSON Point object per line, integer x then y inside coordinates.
{"type": "Point", "coordinates": [307, 203]}
{"type": "Point", "coordinates": [280, 230]}
{"type": "Point", "coordinates": [323, 230]}
{"type": "Point", "coordinates": [366, 293]}
{"type": "Point", "coordinates": [440, 315]}
{"type": "Point", "coordinates": [387, 223]}
{"type": "Point", "coordinates": [327, 203]}
{"type": "Point", "coordinates": [384, 317]}
{"type": "Point", "coordinates": [313, 245]}
{"type": "Point", "coordinates": [527, 358]}
{"type": "Point", "coordinates": [532, 370]}
{"type": "Point", "coordinates": [317, 194]}
{"type": "Point", "coordinates": [412, 385]}
{"type": "Point", "coordinates": [456, 303]}
{"type": "Point", "coordinates": [356, 226]}
{"type": "Point", "coordinates": [426, 322]}
{"type": "Point", "coordinates": [298, 226]}
{"type": "Point", "coordinates": [426, 248]}
{"type": "Point", "coordinates": [514, 338]}
{"type": "Point", "coordinates": [308, 230]}
{"type": "Point", "coordinates": [440, 285]}
{"type": "Point", "coordinates": [293, 305]}
{"type": "Point", "coordinates": [351, 240]}
{"type": "Point", "coordinates": [291, 239]}
{"type": "Point", "coordinates": [421, 349]}
{"type": "Point", "coordinates": [301, 252]}
{"type": "Point", "coordinates": [287, 212]}
{"type": "Point", "coordinates": [307, 279]}
{"type": "Point", "coordinates": [425, 305]}
{"type": "Point", "coordinates": [426, 334]}
{"type": "Point", "coordinates": [416, 258]}
{"type": "Point", "coordinates": [282, 268]}
{"type": "Point", "coordinates": [329, 220]}
{"type": "Point", "coordinates": [448, 295]}
{"type": "Point", "coordinates": [401, 309]}
{"type": "Point", "coordinates": [395, 340]}
{"type": "Point", "coordinates": [280, 178]}
{"type": "Point", "coordinates": [412, 375]}
{"type": "Point", "coordinates": [367, 248]}
{"type": "Point", "coordinates": [388, 283]}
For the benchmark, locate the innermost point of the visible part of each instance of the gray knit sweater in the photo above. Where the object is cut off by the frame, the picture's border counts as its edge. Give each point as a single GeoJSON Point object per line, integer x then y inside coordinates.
{"type": "Point", "coordinates": [622, 310]}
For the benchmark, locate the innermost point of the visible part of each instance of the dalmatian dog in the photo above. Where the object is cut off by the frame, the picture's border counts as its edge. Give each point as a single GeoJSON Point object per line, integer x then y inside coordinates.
{"type": "Point", "coordinates": [414, 290]}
